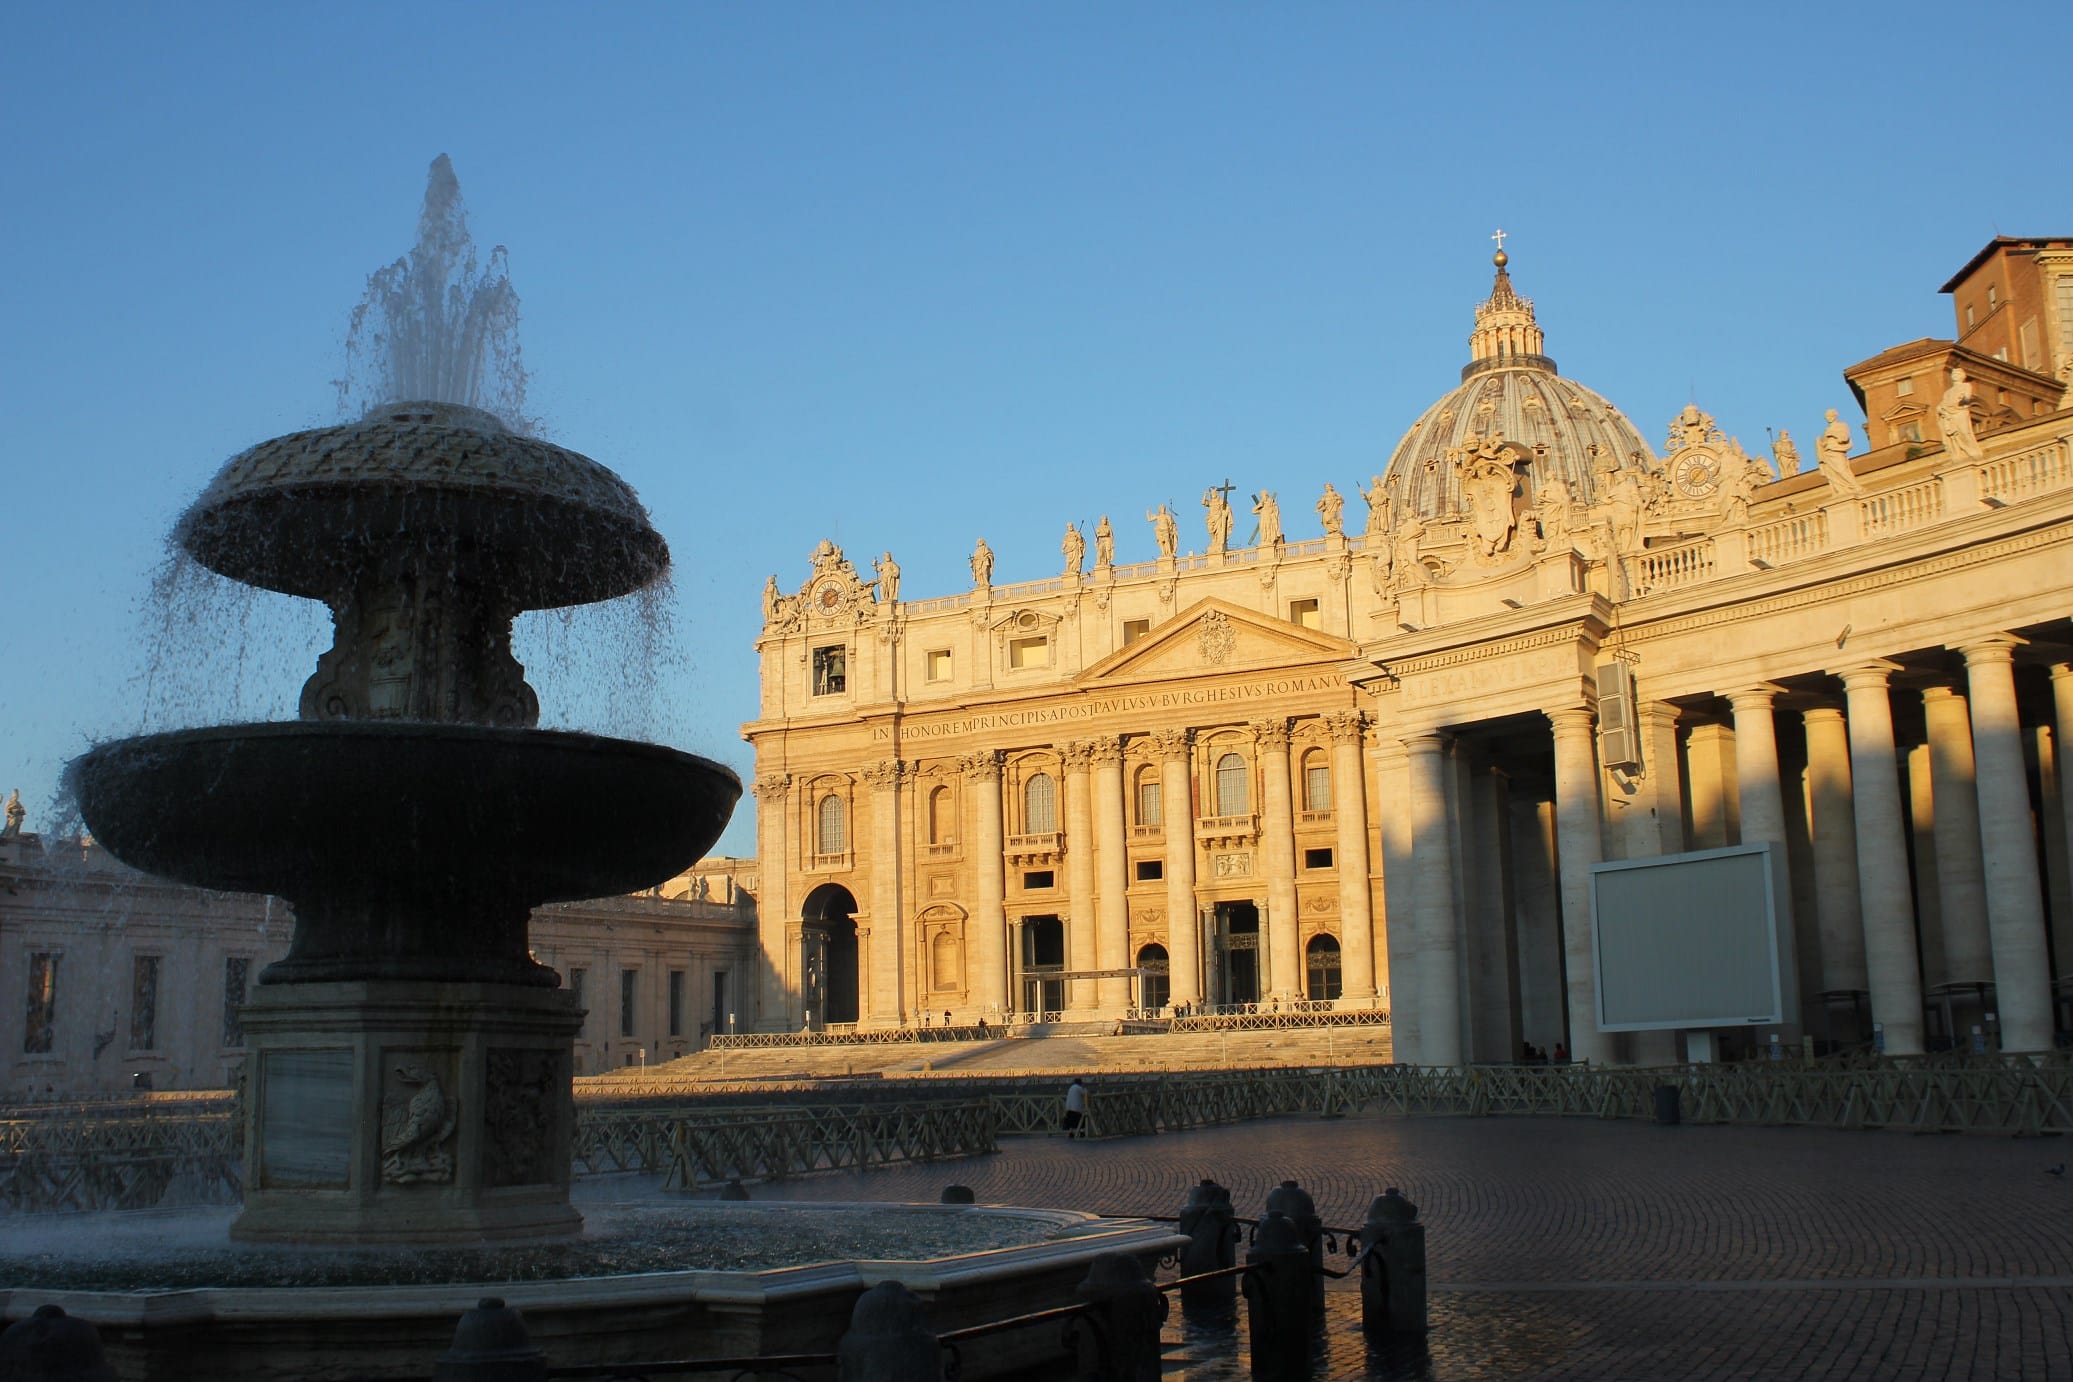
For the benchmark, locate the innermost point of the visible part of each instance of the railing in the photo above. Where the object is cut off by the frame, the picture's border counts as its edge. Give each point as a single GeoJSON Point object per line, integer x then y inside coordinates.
{"type": "Point", "coordinates": [1313, 818]}
{"type": "Point", "coordinates": [1801, 535]}
{"type": "Point", "coordinates": [829, 862]}
{"type": "Point", "coordinates": [772, 1144]}
{"type": "Point", "coordinates": [870, 1036]}
{"type": "Point", "coordinates": [2036, 471]}
{"type": "Point", "coordinates": [1209, 827]}
{"type": "Point", "coordinates": [1665, 568]}
{"type": "Point", "coordinates": [1897, 510]}
{"type": "Point", "coordinates": [115, 1161]}
{"type": "Point", "coordinates": [1043, 842]}
{"type": "Point", "coordinates": [1147, 832]}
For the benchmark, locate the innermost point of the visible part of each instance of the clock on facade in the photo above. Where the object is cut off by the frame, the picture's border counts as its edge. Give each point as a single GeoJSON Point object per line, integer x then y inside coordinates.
{"type": "Point", "coordinates": [1696, 475]}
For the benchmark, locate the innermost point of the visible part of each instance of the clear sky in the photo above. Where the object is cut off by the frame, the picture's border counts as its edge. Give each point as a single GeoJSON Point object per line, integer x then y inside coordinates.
{"type": "Point", "coordinates": [903, 275]}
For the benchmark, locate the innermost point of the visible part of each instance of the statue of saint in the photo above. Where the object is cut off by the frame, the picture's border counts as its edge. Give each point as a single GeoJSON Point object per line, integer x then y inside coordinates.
{"type": "Point", "coordinates": [888, 579]}
{"type": "Point", "coordinates": [1075, 549]}
{"type": "Point", "coordinates": [982, 565]}
{"type": "Point", "coordinates": [773, 602]}
{"type": "Point", "coordinates": [1268, 510]}
{"type": "Point", "coordinates": [1410, 569]}
{"type": "Point", "coordinates": [1104, 544]}
{"type": "Point", "coordinates": [1834, 450]}
{"type": "Point", "coordinates": [1786, 454]}
{"type": "Point", "coordinates": [1165, 531]}
{"type": "Point", "coordinates": [1378, 507]}
{"type": "Point", "coordinates": [1219, 520]}
{"type": "Point", "coordinates": [15, 814]}
{"type": "Point", "coordinates": [1740, 476]}
{"type": "Point", "coordinates": [1954, 420]}
{"type": "Point", "coordinates": [1621, 511]}
{"type": "Point", "coordinates": [1331, 511]}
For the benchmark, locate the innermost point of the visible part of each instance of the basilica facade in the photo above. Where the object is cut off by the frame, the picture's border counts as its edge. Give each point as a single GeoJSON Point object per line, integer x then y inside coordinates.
{"type": "Point", "coordinates": [1367, 758]}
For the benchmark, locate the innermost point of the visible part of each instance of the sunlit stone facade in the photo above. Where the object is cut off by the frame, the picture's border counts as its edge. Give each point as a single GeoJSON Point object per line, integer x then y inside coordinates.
{"type": "Point", "coordinates": [1367, 758]}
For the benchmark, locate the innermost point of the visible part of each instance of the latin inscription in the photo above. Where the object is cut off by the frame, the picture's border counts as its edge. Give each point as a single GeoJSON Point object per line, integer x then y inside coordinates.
{"type": "Point", "coordinates": [1107, 705]}
{"type": "Point", "coordinates": [1500, 674]}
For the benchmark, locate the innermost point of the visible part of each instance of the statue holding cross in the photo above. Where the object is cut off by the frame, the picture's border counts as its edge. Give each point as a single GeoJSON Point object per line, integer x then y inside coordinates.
{"type": "Point", "coordinates": [1216, 499]}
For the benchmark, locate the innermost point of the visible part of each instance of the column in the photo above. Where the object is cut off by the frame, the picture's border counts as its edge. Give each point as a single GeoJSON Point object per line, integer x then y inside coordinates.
{"type": "Point", "coordinates": [1350, 858]}
{"type": "Point", "coordinates": [1438, 974]}
{"type": "Point", "coordinates": [2015, 901]}
{"type": "Point", "coordinates": [777, 930]}
{"type": "Point", "coordinates": [1917, 782]}
{"type": "Point", "coordinates": [2062, 744]}
{"type": "Point", "coordinates": [1177, 810]}
{"type": "Point", "coordinates": [1399, 904]}
{"type": "Point", "coordinates": [1837, 910]}
{"type": "Point", "coordinates": [1542, 1008]}
{"type": "Point", "coordinates": [1709, 755]}
{"type": "Point", "coordinates": [1577, 847]}
{"type": "Point", "coordinates": [1652, 824]}
{"type": "Point", "coordinates": [889, 999]}
{"type": "Point", "coordinates": [1079, 876]}
{"type": "Point", "coordinates": [1284, 925]}
{"type": "Point", "coordinates": [1961, 889]}
{"type": "Point", "coordinates": [986, 938]}
{"type": "Point", "coordinates": [1491, 953]}
{"type": "Point", "coordinates": [1112, 852]}
{"type": "Point", "coordinates": [1882, 882]}
{"type": "Point", "coordinates": [1761, 804]}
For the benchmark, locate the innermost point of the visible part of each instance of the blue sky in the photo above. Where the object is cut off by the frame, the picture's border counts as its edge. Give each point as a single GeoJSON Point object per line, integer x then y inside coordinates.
{"type": "Point", "coordinates": [906, 274]}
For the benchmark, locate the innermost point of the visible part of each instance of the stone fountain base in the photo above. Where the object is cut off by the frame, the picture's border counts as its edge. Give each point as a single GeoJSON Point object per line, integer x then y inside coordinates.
{"type": "Point", "coordinates": [407, 1112]}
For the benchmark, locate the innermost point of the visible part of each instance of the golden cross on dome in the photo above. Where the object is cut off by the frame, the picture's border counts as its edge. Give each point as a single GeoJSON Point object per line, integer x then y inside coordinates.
{"type": "Point", "coordinates": [1499, 238]}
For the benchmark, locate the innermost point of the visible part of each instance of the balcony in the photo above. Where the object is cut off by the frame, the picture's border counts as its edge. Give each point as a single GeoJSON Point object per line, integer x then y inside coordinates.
{"type": "Point", "coordinates": [1048, 844]}
{"type": "Point", "coordinates": [1241, 829]}
{"type": "Point", "coordinates": [830, 863]}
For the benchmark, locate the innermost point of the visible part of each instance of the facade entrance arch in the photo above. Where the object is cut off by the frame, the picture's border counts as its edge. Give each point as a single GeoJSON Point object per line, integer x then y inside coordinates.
{"type": "Point", "coordinates": [828, 964]}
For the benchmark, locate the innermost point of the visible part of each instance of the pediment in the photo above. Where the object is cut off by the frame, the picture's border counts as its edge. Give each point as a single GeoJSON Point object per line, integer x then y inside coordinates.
{"type": "Point", "coordinates": [1214, 636]}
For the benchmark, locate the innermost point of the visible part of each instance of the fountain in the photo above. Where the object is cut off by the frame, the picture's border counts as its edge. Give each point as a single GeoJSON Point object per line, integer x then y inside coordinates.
{"type": "Point", "coordinates": [409, 1068]}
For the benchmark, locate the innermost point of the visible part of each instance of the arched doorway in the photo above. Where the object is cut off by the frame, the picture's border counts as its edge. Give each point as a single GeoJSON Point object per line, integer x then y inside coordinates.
{"type": "Point", "coordinates": [1321, 976]}
{"type": "Point", "coordinates": [1154, 979]}
{"type": "Point", "coordinates": [828, 966]}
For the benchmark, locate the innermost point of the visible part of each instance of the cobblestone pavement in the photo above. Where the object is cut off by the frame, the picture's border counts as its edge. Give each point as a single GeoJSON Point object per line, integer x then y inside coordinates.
{"type": "Point", "coordinates": [1573, 1248]}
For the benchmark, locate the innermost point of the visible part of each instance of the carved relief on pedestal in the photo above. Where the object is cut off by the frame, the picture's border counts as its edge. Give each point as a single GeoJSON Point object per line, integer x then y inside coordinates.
{"type": "Point", "coordinates": [417, 1117]}
{"type": "Point", "coordinates": [520, 1087]}
{"type": "Point", "coordinates": [1236, 864]}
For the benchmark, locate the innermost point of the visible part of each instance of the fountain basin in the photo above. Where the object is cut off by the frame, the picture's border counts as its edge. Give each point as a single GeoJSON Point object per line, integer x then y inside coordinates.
{"type": "Point", "coordinates": [409, 850]}
{"type": "Point", "coordinates": [307, 1334]}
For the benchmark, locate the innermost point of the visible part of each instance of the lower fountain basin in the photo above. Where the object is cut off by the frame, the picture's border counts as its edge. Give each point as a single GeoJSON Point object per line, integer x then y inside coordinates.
{"type": "Point", "coordinates": [409, 850]}
{"type": "Point", "coordinates": [302, 1333]}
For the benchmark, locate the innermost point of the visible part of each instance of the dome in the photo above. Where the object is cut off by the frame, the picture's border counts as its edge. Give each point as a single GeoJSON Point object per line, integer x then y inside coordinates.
{"type": "Point", "coordinates": [1510, 391]}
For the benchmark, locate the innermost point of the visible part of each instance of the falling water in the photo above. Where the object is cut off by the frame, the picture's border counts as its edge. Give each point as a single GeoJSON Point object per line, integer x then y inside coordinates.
{"type": "Point", "coordinates": [433, 326]}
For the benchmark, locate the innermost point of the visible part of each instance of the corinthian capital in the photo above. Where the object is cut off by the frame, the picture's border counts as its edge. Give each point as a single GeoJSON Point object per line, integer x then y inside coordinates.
{"type": "Point", "coordinates": [885, 774]}
{"type": "Point", "coordinates": [1346, 726]}
{"type": "Point", "coordinates": [1271, 734]}
{"type": "Point", "coordinates": [1079, 754]}
{"type": "Point", "coordinates": [1172, 743]}
{"type": "Point", "coordinates": [983, 766]}
{"type": "Point", "coordinates": [773, 786]}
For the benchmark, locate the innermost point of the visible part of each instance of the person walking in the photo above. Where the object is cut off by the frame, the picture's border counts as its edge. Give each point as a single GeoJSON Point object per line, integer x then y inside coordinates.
{"type": "Point", "coordinates": [1075, 1107]}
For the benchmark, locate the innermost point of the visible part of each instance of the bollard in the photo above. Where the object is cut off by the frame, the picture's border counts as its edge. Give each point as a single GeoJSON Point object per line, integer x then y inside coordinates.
{"type": "Point", "coordinates": [889, 1339]}
{"type": "Point", "coordinates": [1294, 1201]}
{"type": "Point", "coordinates": [1212, 1244]}
{"type": "Point", "coordinates": [1277, 1300]}
{"type": "Point", "coordinates": [1116, 1338]}
{"type": "Point", "coordinates": [1667, 1097]}
{"type": "Point", "coordinates": [51, 1346]}
{"type": "Point", "coordinates": [1392, 1267]}
{"type": "Point", "coordinates": [958, 1194]}
{"type": "Point", "coordinates": [490, 1345]}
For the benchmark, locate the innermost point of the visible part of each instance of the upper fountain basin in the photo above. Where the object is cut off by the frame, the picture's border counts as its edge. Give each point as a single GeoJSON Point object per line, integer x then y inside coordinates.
{"type": "Point", "coordinates": [309, 513]}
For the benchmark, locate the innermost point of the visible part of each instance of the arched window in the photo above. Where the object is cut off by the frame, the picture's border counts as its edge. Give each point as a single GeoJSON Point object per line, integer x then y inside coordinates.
{"type": "Point", "coordinates": [1231, 793]}
{"type": "Point", "coordinates": [1317, 782]}
{"type": "Point", "coordinates": [1154, 985]}
{"type": "Point", "coordinates": [944, 962]}
{"type": "Point", "coordinates": [831, 826]}
{"type": "Point", "coordinates": [1039, 805]}
{"type": "Point", "coordinates": [942, 825]}
{"type": "Point", "coordinates": [1150, 809]}
{"type": "Point", "coordinates": [1321, 968]}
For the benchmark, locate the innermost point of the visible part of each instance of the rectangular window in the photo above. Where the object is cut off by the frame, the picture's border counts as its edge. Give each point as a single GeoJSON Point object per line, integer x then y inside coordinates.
{"type": "Point", "coordinates": [1971, 318]}
{"type": "Point", "coordinates": [936, 664]}
{"type": "Point", "coordinates": [1317, 788]}
{"type": "Point", "coordinates": [1305, 613]}
{"type": "Point", "coordinates": [237, 970]}
{"type": "Point", "coordinates": [628, 979]}
{"type": "Point", "coordinates": [1148, 806]}
{"type": "Point", "coordinates": [676, 1002]}
{"type": "Point", "coordinates": [1317, 858]}
{"type": "Point", "coordinates": [1904, 387]}
{"type": "Point", "coordinates": [831, 670]}
{"type": "Point", "coordinates": [1134, 629]}
{"type": "Point", "coordinates": [576, 978]}
{"type": "Point", "coordinates": [1150, 870]}
{"type": "Point", "coordinates": [1029, 652]}
{"type": "Point", "coordinates": [39, 1031]}
{"type": "Point", "coordinates": [1993, 296]}
{"type": "Point", "coordinates": [1035, 879]}
{"type": "Point", "coordinates": [144, 1003]}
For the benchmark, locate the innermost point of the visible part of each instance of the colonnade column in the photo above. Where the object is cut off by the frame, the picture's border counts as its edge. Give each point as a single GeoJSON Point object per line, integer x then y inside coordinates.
{"type": "Point", "coordinates": [1432, 866]}
{"type": "Point", "coordinates": [1350, 815]}
{"type": "Point", "coordinates": [1762, 807]}
{"type": "Point", "coordinates": [1837, 909]}
{"type": "Point", "coordinates": [2015, 901]}
{"type": "Point", "coordinates": [2062, 747]}
{"type": "Point", "coordinates": [1079, 874]}
{"type": "Point", "coordinates": [1177, 811]}
{"type": "Point", "coordinates": [1278, 849]}
{"type": "Point", "coordinates": [1577, 847]}
{"type": "Point", "coordinates": [1884, 895]}
{"type": "Point", "coordinates": [777, 993]}
{"type": "Point", "coordinates": [987, 935]}
{"type": "Point", "coordinates": [888, 991]}
{"type": "Point", "coordinates": [1961, 890]}
{"type": "Point", "coordinates": [1112, 914]}
{"type": "Point", "coordinates": [1399, 903]}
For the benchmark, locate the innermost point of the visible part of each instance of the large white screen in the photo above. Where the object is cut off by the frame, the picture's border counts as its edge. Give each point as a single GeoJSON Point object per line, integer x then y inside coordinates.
{"type": "Point", "coordinates": [1688, 940]}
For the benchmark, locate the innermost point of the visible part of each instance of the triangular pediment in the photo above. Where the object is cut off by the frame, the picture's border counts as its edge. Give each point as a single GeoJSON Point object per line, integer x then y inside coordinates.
{"type": "Point", "coordinates": [1213, 636]}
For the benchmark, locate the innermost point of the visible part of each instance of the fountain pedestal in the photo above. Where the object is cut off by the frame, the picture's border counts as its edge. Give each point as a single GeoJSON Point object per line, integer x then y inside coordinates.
{"type": "Point", "coordinates": [407, 1111]}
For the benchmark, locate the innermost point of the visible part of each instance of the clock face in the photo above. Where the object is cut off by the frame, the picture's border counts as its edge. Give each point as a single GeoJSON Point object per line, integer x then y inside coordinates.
{"type": "Point", "coordinates": [1697, 476]}
{"type": "Point", "coordinates": [830, 597]}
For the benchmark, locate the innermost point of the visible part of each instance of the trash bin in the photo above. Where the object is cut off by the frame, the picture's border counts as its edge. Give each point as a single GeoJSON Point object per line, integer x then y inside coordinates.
{"type": "Point", "coordinates": [1667, 1112]}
